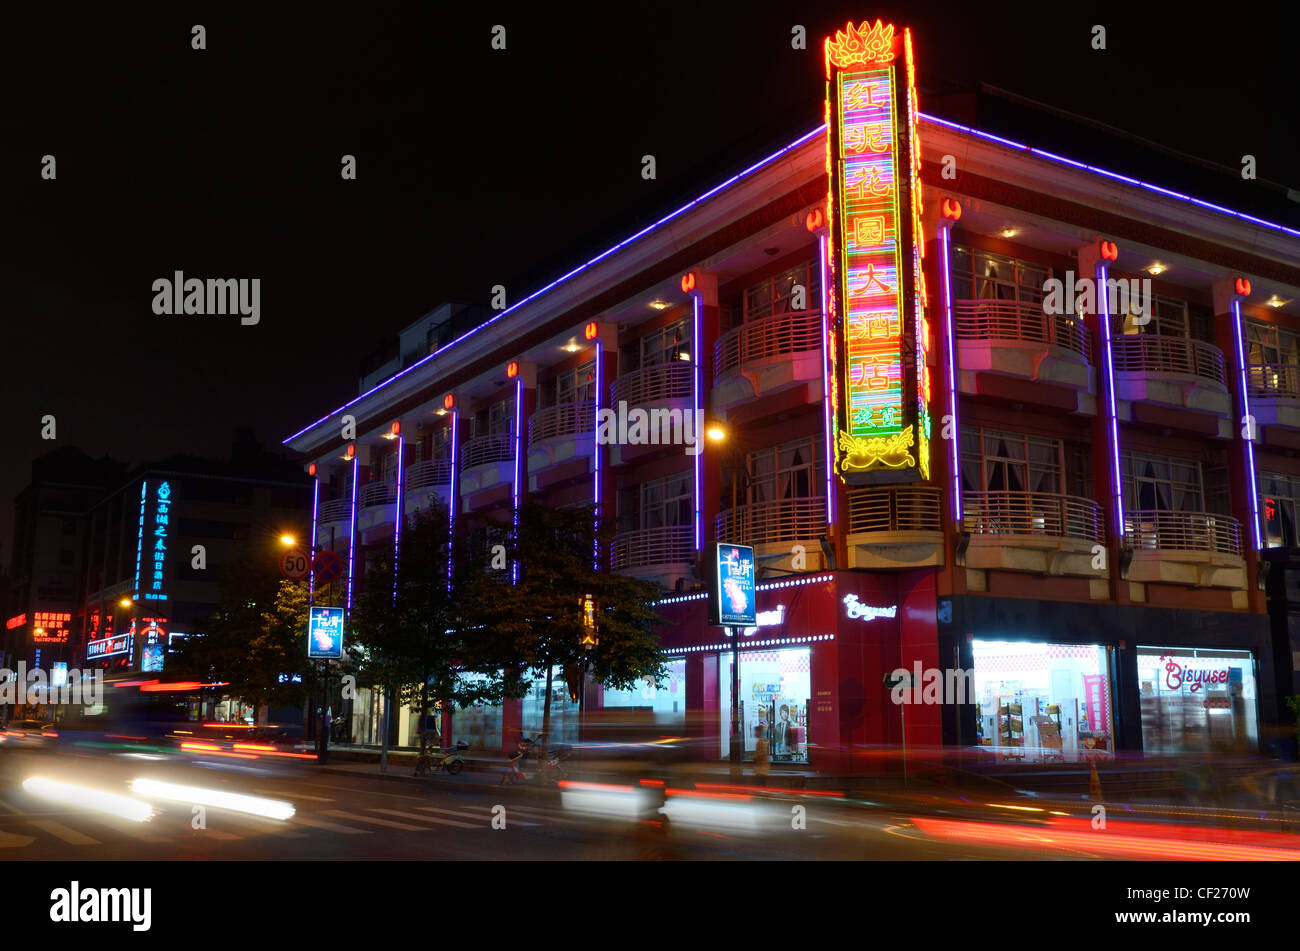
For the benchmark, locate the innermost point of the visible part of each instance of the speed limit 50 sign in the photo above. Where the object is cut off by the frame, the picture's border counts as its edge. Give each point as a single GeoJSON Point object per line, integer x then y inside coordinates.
{"type": "Point", "coordinates": [295, 564]}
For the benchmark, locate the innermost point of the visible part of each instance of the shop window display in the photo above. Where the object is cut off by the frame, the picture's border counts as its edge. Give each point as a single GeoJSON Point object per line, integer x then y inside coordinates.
{"type": "Point", "coordinates": [564, 712]}
{"type": "Point", "coordinates": [666, 699]}
{"type": "Point", "coordinates": [775, 687]}
{"type": "Point", "coordinates": [1043, 702]}
{"type": "Point", "coordinates": [1197, 700]}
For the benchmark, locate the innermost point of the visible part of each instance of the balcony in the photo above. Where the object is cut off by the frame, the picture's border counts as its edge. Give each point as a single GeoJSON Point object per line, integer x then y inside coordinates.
{"type": "Point", "coordinates": [895, 527]}
{"type": "Point", "coordinates": [375, 506]}
{"type": "Point", "coordinates": [337, 510]}
{"type": "Point", "coordinates": [663, 554]}
{"type": "Point", "coordinates": [665, 386]}
{"type": "Point", "coordinates": [1195, 548]}
{"type": "Point", "coordinates": [486, 462]}
{"type": "Point", "coordinates": [377, 493]}
{"type": "Point", "coordinates": [426, 484]}
{"type": "Point", "coordinates": [765, 356]}
{"type": "Point", "coordinates": [1173, 372]}
{"type": "Point", "coordinates": [1017, 340]}
{"type": "Point", "coordinates": [776, 529]}
{"type": "Point", "coordinates": [560, 436]}
{"type": "Point", "coordinates": [1039, 532]}
{"type": "Point", "coordinates": [1274, 394]}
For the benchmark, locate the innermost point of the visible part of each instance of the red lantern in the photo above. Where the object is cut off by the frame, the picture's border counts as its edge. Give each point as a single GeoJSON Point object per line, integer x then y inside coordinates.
{"type": "Point", "coordinates": [590, 331]}
{"type": "Point", "coordinates": [952, 209]}
{"type": "Point", "coordinates": [448, 401]}
{"type": "Point", "coordinates": [814, 221]}
{"type": "Point", "coordinates": [311, 469]}
{"type": "Point", "coordinates": [397, 427]}
{"type": "Point", "coordinates": [352, 449]}
{"type": "Point", "coordinates": [512, 369]}
{"type": "Point", "coordinates": [1109, 251]}
{"type": "Point", "coordinates": [1242, 287]}
{"type": "Point", "coordinates": [688, 282]}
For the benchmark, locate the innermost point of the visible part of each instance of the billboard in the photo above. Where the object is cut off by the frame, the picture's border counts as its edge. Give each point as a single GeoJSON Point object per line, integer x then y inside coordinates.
{"type": "Point", "coordinates": [880, 339]}
{"type": "Point", "coordinates": [733, 601]}
{"type": "Point", "coordinates": [325, 634]}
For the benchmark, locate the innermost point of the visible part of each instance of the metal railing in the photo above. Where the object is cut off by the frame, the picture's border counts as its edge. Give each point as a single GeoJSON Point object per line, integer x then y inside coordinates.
{"type": "Point", "coordinates": [772, 336]}
{"type": "Point", "coordinates": [671, 544]}
{"type": "Point", "coordinates": [1032, 513]}
{"type": "Point", "coordinates": [336, 510]}
{"type": "Point", "coordinates": [427, 474]}
{"type": "Point", "coordinates": [780, 520]}
{"type": "Point", "coordinates": [1021, 320]}
{"type": "Point", "coordinates": [1183, 531]}
{"type": "Point", "coordinates": [377, 493]}
{"type": "Point", "coordinates": [563, 419]}
{"type": "Point", "coordinates": [487, 450]}
{"type": "Point", "coordinates": [665, 381]}
{"type": "Point", "coordinates": [899, 508]}
{"type": "Point", "coordinates": [1273, 380]}
{"type": "Point", "coordinates": [1148, 353]}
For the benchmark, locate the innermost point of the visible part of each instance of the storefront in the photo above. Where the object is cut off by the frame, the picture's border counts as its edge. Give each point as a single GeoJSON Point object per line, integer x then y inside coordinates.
{"type": "Point", "coordinates": [1198, 700]}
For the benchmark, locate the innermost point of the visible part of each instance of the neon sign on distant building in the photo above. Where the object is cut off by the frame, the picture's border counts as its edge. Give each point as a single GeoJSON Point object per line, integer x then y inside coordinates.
{"type": "Point", "coordinates": [161, 529]}
{"type": "Point", "coordinates": [879, 336]}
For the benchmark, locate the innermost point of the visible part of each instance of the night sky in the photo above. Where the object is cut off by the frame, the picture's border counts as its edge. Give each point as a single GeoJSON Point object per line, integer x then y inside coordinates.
{"type": "Point", "coordinates": [475, 167]}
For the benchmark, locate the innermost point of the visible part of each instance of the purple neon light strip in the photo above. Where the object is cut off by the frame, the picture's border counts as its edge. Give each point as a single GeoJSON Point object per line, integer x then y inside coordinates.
{"type": "Point", "coordinates": [451, 499]}
{"type": "Point", "coordinates": [519, 446]}
{"type": "Point", "coordinates": [352, 535]}
{"type": "Point", "coordinates": [820, 130]}
{"type": "Point", "coordinates": [397, 515]}
{"type": "Point", "coordinates": [945, 239]}
{"type": "Point", "coordinates": [1096, 170]}
{"type": "Point", "coordinates": [698, 386]}
{"type": "Point", "coordinates": [311, 571]}
{"type": "Point", "coordinates": [595, 447]}
{"type": "Point", "coordinates": [1245, 405]}
{"type": "Point", "coordinates": [1112, 405]}
{"type": "Point", "coordinates": [827, 383]}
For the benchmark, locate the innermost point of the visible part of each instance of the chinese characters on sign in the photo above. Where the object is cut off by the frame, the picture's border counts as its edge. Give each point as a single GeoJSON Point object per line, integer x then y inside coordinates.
{"type": "Point", "coordinates": [880, 335]}
{"type": "Point", "coordinates": [161, 528]}
{"type": "Point", "coordinates": [50, 627]}
{"type": "Point", "coordinates": [733, 601]}
{"type": "Point", "coordinates": [325, 634]}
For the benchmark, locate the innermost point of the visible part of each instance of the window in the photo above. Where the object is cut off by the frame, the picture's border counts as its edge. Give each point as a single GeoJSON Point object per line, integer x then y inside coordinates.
{"type": "Point", "coordinates": [774, 295]}
{"type": "Point", "coordinates": [1169, 318]}
{"type": "Point", "coordinates": [1269, 344]}
{"type": "Point", "coordinates": [994, 461]}
{"type": "Point", "coordinates": [1160, 483]}
{"type": "Point", "coordinates": [667, 344]}
{"type": "Point", "coordinates": [1277, 509]}
{"type": "Point", "coordinates": [497, 420]}
{"type": "Point", "coordinates": [573, 386]}
{"type": "Point", "coordinates": [667, 502]}
{"type": "Point", "coordinates": [983, 275]}
{"type": "Point", "coordinates": [794, 470]}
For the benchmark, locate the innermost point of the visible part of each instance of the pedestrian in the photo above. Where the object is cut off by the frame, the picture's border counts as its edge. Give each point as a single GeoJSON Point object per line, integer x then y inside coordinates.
{"type": "Point", "coordinates": [762, 756]}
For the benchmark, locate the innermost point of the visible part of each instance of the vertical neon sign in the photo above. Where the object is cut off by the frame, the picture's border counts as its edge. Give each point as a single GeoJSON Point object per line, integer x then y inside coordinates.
{"type": "Point", "coordinates": [828, 387]}
{"type": "Point", "coordinates": [161, 530]}
{"type": "Point", "coordinates": [878, 302]}
{"type": "Point", "coordinates": [139, 538]}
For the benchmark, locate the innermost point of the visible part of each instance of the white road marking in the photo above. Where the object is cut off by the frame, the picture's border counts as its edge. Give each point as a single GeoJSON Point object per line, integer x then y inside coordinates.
{"type": "Point", "coordinates": [411, 815]}
{"type": "Point", "coordinates": [328, 826]}
{"type": "Point", "coordinates": [340, 814]}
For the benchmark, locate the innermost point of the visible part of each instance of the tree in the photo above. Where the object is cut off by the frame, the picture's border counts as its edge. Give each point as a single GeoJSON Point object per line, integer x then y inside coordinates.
{"type": "Point", "coordinates": [424, 639]}
{"type": "Point", "coordinates": [552, 554]}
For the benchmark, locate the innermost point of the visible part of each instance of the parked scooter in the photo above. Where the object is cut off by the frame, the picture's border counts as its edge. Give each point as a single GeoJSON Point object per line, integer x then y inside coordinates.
{"type": "Point", "coordinates": [447, 758]}
{"type": "Point", "coordinates": [549, 770]}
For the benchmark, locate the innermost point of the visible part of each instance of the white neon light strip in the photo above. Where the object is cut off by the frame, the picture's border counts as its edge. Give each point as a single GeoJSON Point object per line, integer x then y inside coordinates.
{"type": "Point", "coordinates": [954, 455]}
{"type": "Point", "coordinates": [1245, 406]}
{"type": "Point", "coordinates": [352, 535]}
{"type": "Point", "coordinates": [1112, 405]}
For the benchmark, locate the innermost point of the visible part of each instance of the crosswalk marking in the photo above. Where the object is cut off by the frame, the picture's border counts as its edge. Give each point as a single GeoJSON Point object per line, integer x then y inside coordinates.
{"type": "Point", "coordinates": [11, 841]}
{"type": "Point", "coordinates": [293, 795]}
{"type": "Point", "coordinates": [411, 815]}
{"type": "Point", "coordinates": [472, 815]}
{"type": "Point", "coordinates": [339, 814]}
{"type": "Point", "coordinates": [328, 826]}
{"type": "Point", "coordinates": [65, 833]}
{"type": "Point", "coordinates": [219, 835]}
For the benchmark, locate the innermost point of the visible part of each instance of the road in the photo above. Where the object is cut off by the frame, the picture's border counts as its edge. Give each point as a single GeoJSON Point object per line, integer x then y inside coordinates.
{"type": "Point", "coordinates": [356, 816]}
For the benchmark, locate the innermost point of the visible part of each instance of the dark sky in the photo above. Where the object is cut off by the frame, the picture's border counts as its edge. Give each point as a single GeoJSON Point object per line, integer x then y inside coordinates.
{"type": "Point", "coordinates": [475, 167]}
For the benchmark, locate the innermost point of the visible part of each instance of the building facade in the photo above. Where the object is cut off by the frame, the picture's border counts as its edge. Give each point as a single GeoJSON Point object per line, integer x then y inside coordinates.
{"type": "Point", "coordinates": [1083, 502]}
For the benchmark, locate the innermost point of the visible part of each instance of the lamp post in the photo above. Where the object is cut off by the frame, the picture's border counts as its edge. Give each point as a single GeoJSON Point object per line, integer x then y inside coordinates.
{"type": "Point", "coordinates": [717, 433]}
{"type": "Point", "coordinates": [322, 740]}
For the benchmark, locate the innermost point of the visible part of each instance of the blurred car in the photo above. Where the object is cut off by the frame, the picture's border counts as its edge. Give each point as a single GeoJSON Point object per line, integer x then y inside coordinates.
{"type": "Point", "coordinates": [27, 733]}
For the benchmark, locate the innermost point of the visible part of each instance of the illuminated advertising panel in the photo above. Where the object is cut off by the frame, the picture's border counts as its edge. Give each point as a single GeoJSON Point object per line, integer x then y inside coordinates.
{"type": "Point", "coordinates": [880, 339]}
{"type": "Point", "coordinates": [108, 647]}
{"type": "Point", "coordinates": [325, 634]}
{"type": "Point", "coordinates": [50, 627]}
{"type": "Point", "coordinates": [733, 601]}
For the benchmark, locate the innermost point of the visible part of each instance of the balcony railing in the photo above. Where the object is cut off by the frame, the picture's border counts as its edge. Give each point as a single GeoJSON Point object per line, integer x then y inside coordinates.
{"type": "Point", "coordinates": [773, 336]}
{"type": "Point", "coordinates": [1272, 380]}
{"type": "Point", "coordinates": [672, 544]}
{"type": "Point", "coordinates": [377, 493]}
{"type": "Point", "coordinates": [427, 475]}
{"type": "Point", "coordinates": [337, 510]}
{"type": "Point", "coordinates": [1032, 513]}
{"type": "Point", "coordinates": [665, 381]}
{"type": "Point", "coordinates": [901, 508]}
{"type": "Point", "coordinates": [1022, 321]}
{"type": "Point", "coordinates": [563, 419]}
{"type": "Point", "coordinates": [780, 520]}
{"type": "Point", "coordinates": [487, 450]}
{"type": "Point", "coordinates": [1183, 531]}
{"type": "Point", "coordinates": [1152, 353]}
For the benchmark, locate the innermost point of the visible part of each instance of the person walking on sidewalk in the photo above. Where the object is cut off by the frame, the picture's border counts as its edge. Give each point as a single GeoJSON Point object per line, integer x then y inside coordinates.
{"type": "Point", "coordinates": [762, 754]}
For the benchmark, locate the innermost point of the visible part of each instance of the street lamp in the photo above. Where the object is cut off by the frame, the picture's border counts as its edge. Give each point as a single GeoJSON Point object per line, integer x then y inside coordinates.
{"type": "Point", "coordinates": [288, 541]}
